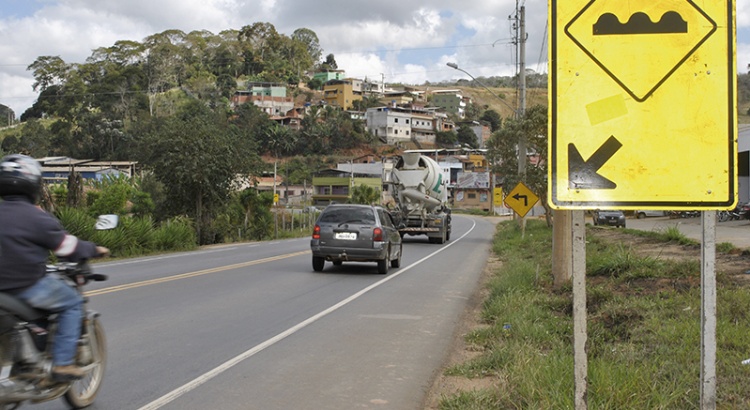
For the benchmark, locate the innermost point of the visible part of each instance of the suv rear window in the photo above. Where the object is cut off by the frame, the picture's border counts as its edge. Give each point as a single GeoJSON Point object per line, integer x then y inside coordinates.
{"type": "Point", "coordinates": [350, 215]}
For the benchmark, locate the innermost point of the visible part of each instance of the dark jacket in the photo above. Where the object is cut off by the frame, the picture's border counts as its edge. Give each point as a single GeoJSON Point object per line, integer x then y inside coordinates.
{"type": "Point", "coordinates": [27, 235]}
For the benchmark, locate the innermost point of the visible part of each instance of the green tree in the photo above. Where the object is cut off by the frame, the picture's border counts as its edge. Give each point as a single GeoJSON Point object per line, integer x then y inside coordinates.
{"type": "Point", "coordinates": [280, 140]}
{"type": "Point", "coordinates": [315, 84]}
{"type": "Point", "coordinates": [492, 117]}
{"type": "Point", "coordinates": [466, 136]}
{"type": "Point", "coordinates": [48, 71]}
{"type": "Point", "coordinates": [502, 152]}
{"type": "Point", "coordinates": [330, 62]}
{"type": "Point", "coordinates": [50, 102]}
{"type": "Point", "coordinates": [35, 139]}
{"type": "Point", "coordinates": [257, 40]}
{"type": "Point", "coordinates": [112, 198]}
{"type": "Point", "coordinates": [310, 40]}
{"type": "Point", "coordinates": [163, 63]}
{"type": "Point", "coordinates": [365, 194]}
{"type": "Point", "coordinates": [446, 138]}
{"type": "Point", "coordinates": [10, 144]}
{"type": "Point", "coordinates": [197, 157]}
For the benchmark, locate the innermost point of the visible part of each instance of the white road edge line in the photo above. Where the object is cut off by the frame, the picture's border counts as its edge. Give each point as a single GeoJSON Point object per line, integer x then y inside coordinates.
{"type": "Point", "coordinates": [176, 393]}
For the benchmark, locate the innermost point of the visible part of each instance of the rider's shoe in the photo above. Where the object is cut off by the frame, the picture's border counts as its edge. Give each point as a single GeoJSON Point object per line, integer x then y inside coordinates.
{"type": "Point", "coordinates": [67, 373]}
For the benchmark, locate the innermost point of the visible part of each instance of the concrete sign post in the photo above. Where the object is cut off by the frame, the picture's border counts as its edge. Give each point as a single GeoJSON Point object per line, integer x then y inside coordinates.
{"type": "Point", "coordinates": [708, 309]}
{"type": "Point", "coordinates": [580, 335]}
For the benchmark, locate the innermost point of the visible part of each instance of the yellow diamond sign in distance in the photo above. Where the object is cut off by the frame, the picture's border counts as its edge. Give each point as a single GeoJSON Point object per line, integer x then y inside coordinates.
{"type": "Point", "coordinates": [642, 104]}
{"type": "Point", "coordinates": [521, 199]}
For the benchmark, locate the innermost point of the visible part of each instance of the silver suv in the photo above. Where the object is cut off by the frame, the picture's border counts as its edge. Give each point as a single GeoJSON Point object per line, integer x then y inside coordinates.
{"type": "Point", "coordinates": [356, 233]}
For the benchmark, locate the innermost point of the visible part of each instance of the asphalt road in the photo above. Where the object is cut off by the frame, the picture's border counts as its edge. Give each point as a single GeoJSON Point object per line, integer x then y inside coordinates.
{"type": "Point", "coordinates": [251, 326]}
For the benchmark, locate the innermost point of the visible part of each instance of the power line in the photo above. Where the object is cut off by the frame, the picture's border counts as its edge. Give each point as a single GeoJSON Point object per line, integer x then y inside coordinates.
{"type": "Point", "coordinates": [419, 48]}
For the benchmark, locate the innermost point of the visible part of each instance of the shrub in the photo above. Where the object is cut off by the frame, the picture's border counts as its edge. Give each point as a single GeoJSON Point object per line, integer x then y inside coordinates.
{"type": "Point", "coordinates": [77, 222]}
{"type": "Point", "coordinates": [175, 234]}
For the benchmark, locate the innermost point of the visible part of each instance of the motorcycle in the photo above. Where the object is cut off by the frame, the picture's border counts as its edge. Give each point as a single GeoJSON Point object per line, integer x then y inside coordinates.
{"type": "Point", "coordinates": [26, 344]}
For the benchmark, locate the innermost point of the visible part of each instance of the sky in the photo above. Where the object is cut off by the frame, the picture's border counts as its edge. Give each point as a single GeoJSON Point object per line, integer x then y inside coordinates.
{"type": "Point", "coordinates": [394, 41]}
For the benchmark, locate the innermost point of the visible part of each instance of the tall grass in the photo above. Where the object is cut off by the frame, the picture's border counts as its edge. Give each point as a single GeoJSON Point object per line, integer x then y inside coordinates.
{"type": "Point", "coordinates": [643, 332]}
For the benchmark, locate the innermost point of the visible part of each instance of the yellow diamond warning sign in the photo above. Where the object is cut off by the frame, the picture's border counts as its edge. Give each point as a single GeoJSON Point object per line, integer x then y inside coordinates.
{"type": "Point", "coordinates": [521, 199]}
{"type": "Point", "coordinates": [639, 48]}
{"type": "Point", "coordinates": [642, 104]}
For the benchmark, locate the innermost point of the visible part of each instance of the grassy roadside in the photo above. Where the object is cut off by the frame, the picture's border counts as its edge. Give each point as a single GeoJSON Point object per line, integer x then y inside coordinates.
{"type": "Point", "coordinates": [643, 328]}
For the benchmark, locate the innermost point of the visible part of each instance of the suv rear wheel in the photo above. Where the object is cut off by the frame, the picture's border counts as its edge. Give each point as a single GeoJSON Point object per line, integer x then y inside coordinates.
{"type": "Point", "coordinates": [383, 263]}
{"type": "Point", "coordinates": [318, 263]}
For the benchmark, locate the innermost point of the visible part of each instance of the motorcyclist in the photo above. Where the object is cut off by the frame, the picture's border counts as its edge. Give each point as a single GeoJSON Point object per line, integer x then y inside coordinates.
{"type": "Point", "coordinates": [27, 235]}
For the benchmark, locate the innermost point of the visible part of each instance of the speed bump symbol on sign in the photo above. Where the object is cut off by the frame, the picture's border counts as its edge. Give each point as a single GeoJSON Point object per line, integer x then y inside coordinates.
{"type": "Point", "coordinates": [521, 199]}
{"type": "Point", "coordinates": [637, 39]}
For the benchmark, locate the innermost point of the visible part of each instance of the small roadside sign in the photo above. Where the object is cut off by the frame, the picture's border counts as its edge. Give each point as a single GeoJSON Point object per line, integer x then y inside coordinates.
{"type": "Point", "coordinates": [521, 199]}
{"type": "Point", "coordinates": [497, 199]}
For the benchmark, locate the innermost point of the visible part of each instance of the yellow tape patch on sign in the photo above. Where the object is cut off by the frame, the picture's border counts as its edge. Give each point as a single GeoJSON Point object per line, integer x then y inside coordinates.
{"type": "Point", "coordinates": [606, 109]}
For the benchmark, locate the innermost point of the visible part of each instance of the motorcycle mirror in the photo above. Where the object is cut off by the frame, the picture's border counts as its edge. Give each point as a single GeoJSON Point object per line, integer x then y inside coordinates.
{"type": "Point", "coordinates": [105, 222]}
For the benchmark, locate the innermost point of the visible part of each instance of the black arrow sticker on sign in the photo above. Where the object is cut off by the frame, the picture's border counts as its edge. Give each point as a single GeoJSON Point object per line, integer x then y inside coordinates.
{"type": "Point", "coordinates": [518, 197]}
{"type": "Point", "coordinates": [583, 174]}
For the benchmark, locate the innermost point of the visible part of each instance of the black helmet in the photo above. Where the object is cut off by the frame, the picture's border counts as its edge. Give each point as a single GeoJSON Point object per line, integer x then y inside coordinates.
{"type": "Point", "coordinates": [20, 175]}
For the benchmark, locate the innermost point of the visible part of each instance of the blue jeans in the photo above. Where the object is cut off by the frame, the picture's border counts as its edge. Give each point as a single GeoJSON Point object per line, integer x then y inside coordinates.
{"type": "Point", "coordinates": [53, 294]}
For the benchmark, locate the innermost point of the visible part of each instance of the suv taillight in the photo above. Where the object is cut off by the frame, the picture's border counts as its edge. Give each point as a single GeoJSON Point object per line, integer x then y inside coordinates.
{"type": "Point", "coordinates": [316, 232]}
{"type": "Point", "coordinates": [377, 234]}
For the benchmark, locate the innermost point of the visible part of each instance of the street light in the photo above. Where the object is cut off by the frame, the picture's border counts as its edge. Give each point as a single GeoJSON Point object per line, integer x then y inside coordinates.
{"type": "Point", "coordinates": [456, 67]}
{"type": "Point", "coordinates": [521, 141]}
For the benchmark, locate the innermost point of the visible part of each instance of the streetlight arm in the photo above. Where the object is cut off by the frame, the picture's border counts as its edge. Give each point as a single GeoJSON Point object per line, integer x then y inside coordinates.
{"type": "Point", "coordinates": [456, 67]}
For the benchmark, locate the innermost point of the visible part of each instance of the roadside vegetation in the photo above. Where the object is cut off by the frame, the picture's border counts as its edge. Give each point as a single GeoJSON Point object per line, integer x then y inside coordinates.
{"type": "Point", "coordinates": [644, 314]}
{"type": "Point", "coordinates": [245, 216]}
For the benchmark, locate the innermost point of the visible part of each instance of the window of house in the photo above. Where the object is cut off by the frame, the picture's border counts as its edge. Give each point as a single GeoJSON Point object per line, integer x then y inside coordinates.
{"type": "Point", "coordinates": [472, 196]}
{"type": "Point", "coordinates": [395, 120]}
{"type": "Point", "coordinates": [407, 120]}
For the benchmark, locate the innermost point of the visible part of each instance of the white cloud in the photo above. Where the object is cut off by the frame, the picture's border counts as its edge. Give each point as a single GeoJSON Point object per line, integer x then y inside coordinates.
{"type": "Point", "coordinates": [743, 13]}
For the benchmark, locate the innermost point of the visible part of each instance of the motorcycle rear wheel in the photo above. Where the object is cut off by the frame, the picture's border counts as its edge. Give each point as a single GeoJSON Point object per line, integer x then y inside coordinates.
{"type": "Point", "coordinates": [83, 392]}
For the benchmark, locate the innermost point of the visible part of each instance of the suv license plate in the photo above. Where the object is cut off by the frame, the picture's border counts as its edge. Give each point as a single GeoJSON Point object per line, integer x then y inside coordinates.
{"type": "Point", "coordinates": [346, 235]}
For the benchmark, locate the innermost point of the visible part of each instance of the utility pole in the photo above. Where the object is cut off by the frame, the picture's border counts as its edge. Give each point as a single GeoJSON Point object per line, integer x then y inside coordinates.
{"type": "Point", "coordinates": [522, 91]}
{"type": "Point", "coordinates": [275, 206]}
{"type": "Point", "coordinates": [520, 26]}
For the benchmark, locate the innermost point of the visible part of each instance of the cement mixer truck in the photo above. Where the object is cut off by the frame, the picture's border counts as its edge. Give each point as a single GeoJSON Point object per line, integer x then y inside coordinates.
{"type": "Point", "coordinates": [420, 194]}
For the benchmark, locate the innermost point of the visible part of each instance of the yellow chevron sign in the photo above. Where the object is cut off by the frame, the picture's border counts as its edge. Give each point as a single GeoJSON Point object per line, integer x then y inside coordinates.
{"type": "Point", "coordinates": [521, 199]}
